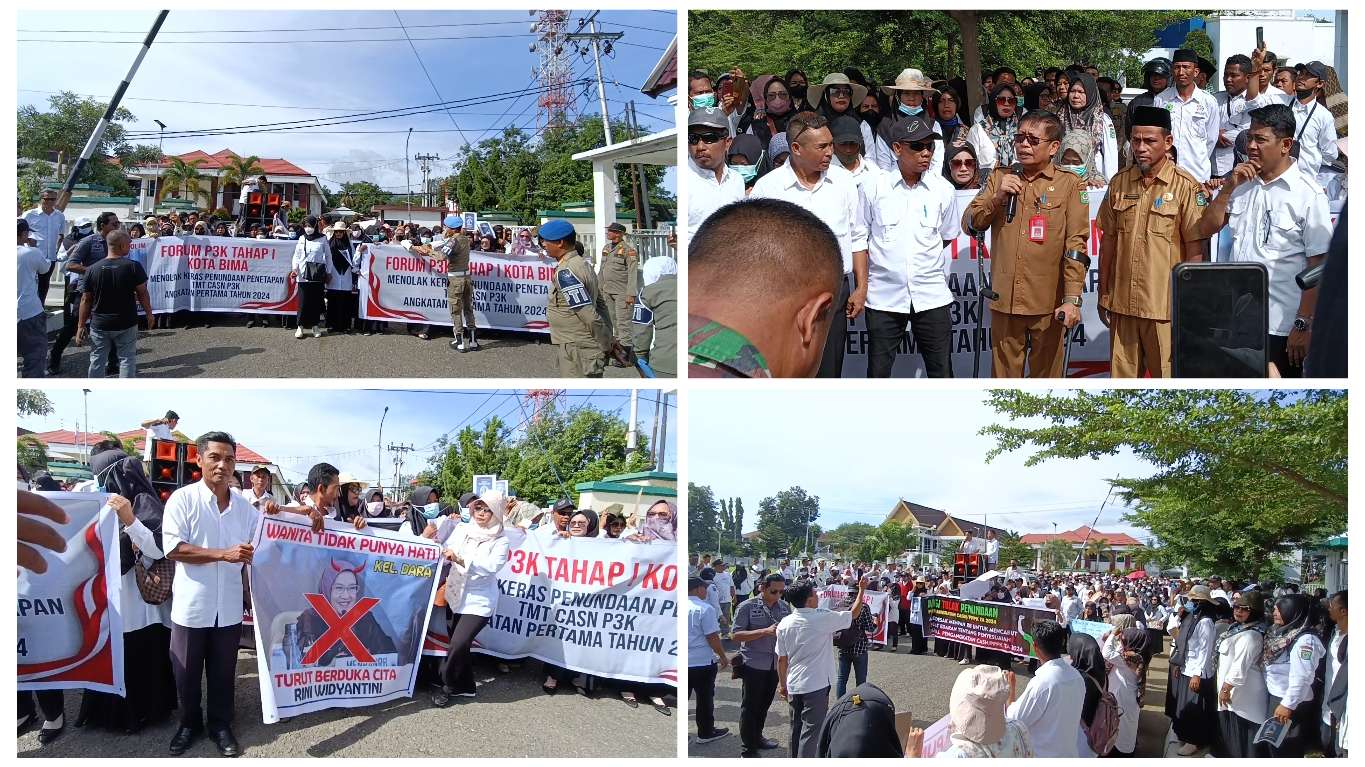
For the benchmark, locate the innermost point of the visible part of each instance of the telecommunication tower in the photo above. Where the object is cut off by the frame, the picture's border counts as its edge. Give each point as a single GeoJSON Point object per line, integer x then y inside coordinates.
{"type": "Point", "coordinates": [554, 69]}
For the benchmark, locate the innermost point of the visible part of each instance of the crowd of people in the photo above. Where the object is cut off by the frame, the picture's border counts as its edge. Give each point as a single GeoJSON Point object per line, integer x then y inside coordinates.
{"type": "Point", "coordinates": [199, 539]}
{"type": "Point", "coordinates": [1241, 655]}
{"type": "Point", "coordinates": [102, 304]}
{"type": "Point", "coordinates": [841, 199]}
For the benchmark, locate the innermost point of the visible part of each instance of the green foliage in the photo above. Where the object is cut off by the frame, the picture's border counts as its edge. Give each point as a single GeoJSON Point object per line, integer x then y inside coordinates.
{"type": "Point", "coordinates": [65, 127]}
{"type": "Point", "coordinates": [33, 402]}
{"type": "Point", "coordinates": [129, 446]}
{"type": "Point", "coordinates": [847, 539]}
{"type": "Point", "coordinates": [582, 445]}
{"type": "Point", "coordinates": [783, 520]}
{"type": "Point", "coordinates": [359, 196]}
{"type": "Point", "coordinates": [296, 215]}
{"type": "Point", "coordinates": [702, 516]}
{"type": "Point", "coordinates": [1199, 41]}
{"type": "Point", "coordinates": [32, 454]}
{"type": "Point", "coordinates": [729, 526]}
{"type": "Point", "coordinates": [31, 183]}
{"type": "Point", "coordinates": [1012, 549]}
{"type": "Point", "coordinates": [1242, 478]}
{"type": "Point", "coordinates": [183, 177]}
{"type": "Point", "coordinates": [891, 539]}
{"type": "Point", "coordinates": [946, 552]}
{"type": "Point", "coordinates": [1058, 555]}
{"type": "Point", "coordinates": [511, 173]}
{"type": "Point", "coordinates": [239, 169]}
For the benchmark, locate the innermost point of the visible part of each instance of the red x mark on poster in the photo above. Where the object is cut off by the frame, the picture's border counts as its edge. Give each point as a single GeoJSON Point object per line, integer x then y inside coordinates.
{"type": "Point", "coordinates": [340, 628]}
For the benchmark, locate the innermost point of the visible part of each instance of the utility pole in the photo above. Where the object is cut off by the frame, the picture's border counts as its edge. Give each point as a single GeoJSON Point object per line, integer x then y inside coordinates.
{"type": "Point", "coordinates": [379, 447]}
{"type": "Point", "coordinates": [654, 434]}
{"type": "Point", "coordinates": [630, 425]}
{"type": "Point", "coordinates": [596, 38]}
{"type": "Point", "coordinates": [426, 160]}
{"type": "Point", "coordinates": [663, 433]}
{"type": "Point", "coordinates": [644, 217]}
{"type": "Point", "coordinates": [398, 460]}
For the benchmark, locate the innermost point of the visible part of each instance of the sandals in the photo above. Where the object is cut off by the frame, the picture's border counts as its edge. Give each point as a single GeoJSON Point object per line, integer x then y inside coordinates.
{"type": "Point", "coordinates": [629, 698]}
{"type": "Point", "coordinates": [661, 707]}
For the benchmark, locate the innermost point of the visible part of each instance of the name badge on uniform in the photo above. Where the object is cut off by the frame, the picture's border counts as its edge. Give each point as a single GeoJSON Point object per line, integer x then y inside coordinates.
{"type": "Point", "coordinates": [574, 291]}
{"type": "Point", "coordinates": [640, 314]}
{"type": "Point", "coordinates": [1037, 228]}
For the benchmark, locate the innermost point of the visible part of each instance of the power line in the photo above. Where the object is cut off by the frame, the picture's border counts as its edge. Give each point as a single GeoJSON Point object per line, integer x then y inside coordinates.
{"type": "Point", "coordinates": [280, 42]}
{"type": "Point", "coordinates": [256, 31]}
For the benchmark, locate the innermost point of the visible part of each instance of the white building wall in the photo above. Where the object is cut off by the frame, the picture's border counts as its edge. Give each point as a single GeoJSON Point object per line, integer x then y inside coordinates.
{"type": "Point", "coordinates": [1296, 40]}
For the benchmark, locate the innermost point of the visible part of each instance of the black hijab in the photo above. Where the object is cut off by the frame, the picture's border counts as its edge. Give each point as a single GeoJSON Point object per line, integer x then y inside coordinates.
{"type": "Point", "coordinates": [43, 481]}
{"type": "Point", "coordinates": [1087, 659]}
{"type": "Point", "coordinates": [118, 472]}
{"type": "Point", "coordinates": [341, 252]}
{"type": "Point", "coordinates": [953, 151]}
{"type": "Point", "coordinates": [591, 532]}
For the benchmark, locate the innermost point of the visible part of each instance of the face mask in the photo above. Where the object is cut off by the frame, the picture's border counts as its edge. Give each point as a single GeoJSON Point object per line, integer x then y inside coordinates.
{"type": "Point", "coordinates": [1079, 170]}
{"type": "Point", "coordinates": [746, 172]}
{"type": "Point", "coordinates": [308, 230]}
{"type": "Point", "coordinates": [1302, 94]}
{"type": "Point", "coordinates": [704, 101]}
{"type": "Point", "coordinates": [431, 510]}
{"type": "Point", "coordinates": [376, 238]}
{"type": "Point", "coordinates": [909, 110]}
{"type": "Point", "coordinates": [426, 240]}
{"type": "Point", "coordinates": [797, 91]}
{"type": "Point", "coordinates": [374, 508]}
{"type": "Point", "coordinates": [869, 115]}
{"type": "Point", "coordinates": [464, 515]}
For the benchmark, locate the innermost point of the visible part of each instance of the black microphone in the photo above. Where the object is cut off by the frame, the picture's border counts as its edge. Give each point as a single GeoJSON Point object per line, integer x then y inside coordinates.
{"type": "Point", "coordinates": [1012, 204]}
{"type": "Point", "coordinates": [1309, 278]}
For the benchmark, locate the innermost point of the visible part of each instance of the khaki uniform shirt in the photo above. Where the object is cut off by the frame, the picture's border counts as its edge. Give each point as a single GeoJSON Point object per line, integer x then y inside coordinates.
{"type": "Point", "coordinates": [1151, 226]}
{"type": "Point", "coordinates": [662, 300]}
{"type": "Point", "coordinates": [456, 252]}
{"type": "Point", "coordinates": [620, 269]}
{"type": "Point", "coordinates": [1033, 277]}
{"type": "Point", "coordinates": [577, 312]}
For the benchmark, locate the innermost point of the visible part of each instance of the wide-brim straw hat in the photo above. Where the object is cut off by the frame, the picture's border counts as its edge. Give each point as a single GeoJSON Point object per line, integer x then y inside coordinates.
{"type": "Point", "coordinates": [817, 93]}
{"type": "Point", "coordinates": [909, 80]}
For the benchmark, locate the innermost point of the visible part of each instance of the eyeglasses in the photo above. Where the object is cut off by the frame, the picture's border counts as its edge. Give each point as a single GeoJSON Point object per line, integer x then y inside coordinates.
{"type": "Point", "coordinates": [1031, 140]}
{"type": "Point", "coordinates": [968, 163]}
{"type": "Point", "coordinates": [1004, 99]}
{"type": "Point", "coordinates": [578, 523]}
{"type": "Point", "coordinates": [776, 593]}
{"type": "Point", "coordinates": [919, 146]}
{"type": "Point", "coordinates": [775, 96]}
{"type": "Point", "coordinates": [705, 138]}
{"type": "Point", "coordinates": [841, 90]}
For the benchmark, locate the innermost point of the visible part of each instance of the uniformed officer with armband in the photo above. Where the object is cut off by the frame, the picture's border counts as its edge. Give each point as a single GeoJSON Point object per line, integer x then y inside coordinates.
{"type": "Point", "coordinates": [1038, 259]}
{"type": "Point", "coordinates": [460, 290]}
{"type": "Point", "coordinates": [578, 314]}
{"type": "Point", "coordinates": [620, 281]}
{"type": "Point", "coordinates": [1150, 223]}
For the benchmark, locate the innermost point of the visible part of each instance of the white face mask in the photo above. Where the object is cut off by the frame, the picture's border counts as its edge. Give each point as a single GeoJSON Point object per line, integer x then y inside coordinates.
{"type": "Point", "coordinates": [308, 230]}
{"type": "Point", "coordinates": [374, 508]}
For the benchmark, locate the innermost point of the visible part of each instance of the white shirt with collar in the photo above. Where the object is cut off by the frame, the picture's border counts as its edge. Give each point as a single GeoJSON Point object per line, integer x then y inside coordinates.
{"type": "Point", "coordinates": [1200, 652]}
{"type": "Point", "coordinates": [907, 225]}
{"type": "Point", "coordinates": [1236, 117]}
{"type": "Point", "coordinates": [156, 431]}
{"type": "Point", "coordinates": [806, 638]}
{"type": "Point", "coordinates": [1315, 128]}
{"type": "Point", "coordinates": [1239, 665]}
{"type": "Point", "coordinates": [1290, 676]}
{"type": "Point", "coordinates": [1195, 124]}
{"type": "Point", "coordinates": [706, 194]}
{"type": "Point", "coordinates": [1271, 95]}
{"type": "Point", "coordinates": [1280, 224]}
{"type": "Point", "coordinates": [1050, 707]}
{"type": "Point", "coordinates": [207, 595]}
{"type": "Point", "coordinates": [833, 200]}
{"type": "Point", "coordinates": [972, 546]}
{"type": "Point", "coordinates": [50, 226]}
{"type": "Point", "coordinates": [992, 548]}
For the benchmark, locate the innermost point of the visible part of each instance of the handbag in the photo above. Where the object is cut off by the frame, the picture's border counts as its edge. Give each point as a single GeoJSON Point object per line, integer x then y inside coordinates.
{"type": "Point", "coordinates": [154, 582]}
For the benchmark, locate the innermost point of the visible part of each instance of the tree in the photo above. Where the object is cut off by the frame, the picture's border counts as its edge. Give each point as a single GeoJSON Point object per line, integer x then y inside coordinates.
{"type": "Point", "coordinates": [33, 402]}
{"type": "Point", "coordinates": [32, 454]}
{"type": "Point", "coordinates": [1199, 41]}
{"type": "Point", "coordinates": [183, 177]}
{"type": "Point", "coordinates": [66, 127]}
{"type": "Point", "coordinates": [1095, 548]}
{"type": "Point", "coordinates": [32, 181]}
{"type": "Point", "coordinates": [847, 539]}
{"type": "Point", "coordinates": [890, 539]}
{"type": "Point", "coordinates": [360, 196]}
{"type": "Point", "coordinates": [701, 519]}
{"type": "Point", "coordinates": [1011, 549]}
{"type": "Point", "coordinates": [783, 520]}
{"type": "Point", "coordinates": [1243, 478]}
{"type": "Point", "coordinates": [129, 446]}
{"type": "Point", "coordinates": [946, 552]}
{"type": "Point", "coordinates": [1058, 555]}
{"type": "Point", "coordinates": [239, 169]}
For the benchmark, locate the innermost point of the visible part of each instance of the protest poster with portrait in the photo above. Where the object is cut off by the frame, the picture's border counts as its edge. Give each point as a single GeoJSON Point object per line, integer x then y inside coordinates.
{"type": "Point", "coordinates": [988, 625]}
{"type": "Point", "coordinates": [839, 597]}
{"type": "Point", "coordinates": [339, 614]}
{"type": "Point", "coordinates": [596, 606]}
{"type": "Point", "coordinates": [218, 274]}
{"type": "Point", "coordinates": [511, 292]}
{"type": "Point", "coordinates": [70, 632]}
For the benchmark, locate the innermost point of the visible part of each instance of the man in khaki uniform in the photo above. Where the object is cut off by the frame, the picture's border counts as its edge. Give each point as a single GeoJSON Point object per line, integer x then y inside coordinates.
{"type": "Point", "coordinates": [577, 312]}
{"type": "Point", "coordinates": [1038, 261]}
{"type": "Point", "coordinates": [1149, 222]}
{"type": "Point", "coordinates": [460, 289]}
{"type": "Point", "coordinates": [620, 281]}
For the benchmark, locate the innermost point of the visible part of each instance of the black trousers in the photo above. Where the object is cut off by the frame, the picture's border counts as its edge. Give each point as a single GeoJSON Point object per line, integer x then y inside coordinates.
{"type": "Point", "coordinates": [918, 644]}
{"type": "Point", "coordinates": [457, 669]}
{"type": "Point", "coordinates": [1327, 734]}
{"type": "Point", "coordinates": [70, 315]}
{"type": "Point", "coordinates": [701, 681]}
{"type": "Point", "coordinates": [340, 310]}
{"type": "Point", "coordinates": [1277, 351]}
{"type": "Point", "coordinates": [45, 282]}
{"type": "Point", "coordinates": [1235, 736]}
{"type": "Point", "coordinates": [905, 621]}
{"type": "Point", "coordinates": [50, 704]}
{"type": "Point", "coordinates": [758, 688]}
{"type": "Point", "coordinates": [931, 329]}
{"type": "Point", "coordinates": [832, 361]}
{"type": "Point", "coordinates": [310, 303]}
{"type": "Point", "coordinates": [211, 652]}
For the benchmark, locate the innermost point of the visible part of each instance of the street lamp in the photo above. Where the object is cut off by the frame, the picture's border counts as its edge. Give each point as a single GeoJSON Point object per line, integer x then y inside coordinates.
{"type": "Point", "coordinates": [379, 468]}
{"type": "Point", "coordinates": [160, 155]}
{"type": "Point", "coordinates": [408, 173]}
{"type": "Point", "coordinates": [85, 431]}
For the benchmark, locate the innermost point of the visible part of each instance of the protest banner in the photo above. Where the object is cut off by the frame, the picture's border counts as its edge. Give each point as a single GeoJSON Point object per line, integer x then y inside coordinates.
{"type": "Point", "coordinates": [218, 274]}
{"type": "Point", "coordinates": [839, 597]}
{"type": "Point", "coordinates": [511, 292]}
{"type": "Point", "coordinates": [988, 625]}
{"type": "Point", "coordinates": [937, 737]}
{"type": "Point", "coordinates": [595, 606]}
{"type": "Point", "coordinates": [1095, 629]}
{"type": "Point", "coordinates": [339, 614]}
{"type": "Point", "coordinates": [70, 632]}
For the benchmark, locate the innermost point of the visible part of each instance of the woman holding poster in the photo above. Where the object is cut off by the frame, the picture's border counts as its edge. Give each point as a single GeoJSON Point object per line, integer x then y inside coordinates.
{"type": "Point", "coordinates": [477, 550]}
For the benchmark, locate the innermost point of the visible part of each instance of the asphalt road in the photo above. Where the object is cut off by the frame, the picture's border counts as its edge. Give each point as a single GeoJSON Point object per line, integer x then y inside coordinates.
{"type": "Point", "coordinates": [536, 725]}
{"type": "Point", "coordinates": [919, 683]}
{"type": "Point", "coordinates": [229, 349]}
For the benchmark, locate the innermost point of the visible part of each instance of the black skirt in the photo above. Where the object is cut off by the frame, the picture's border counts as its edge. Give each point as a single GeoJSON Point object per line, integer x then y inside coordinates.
{"type": "Point", "coordinates": [150, 682]}
{"type": "Point", "coordinates": [1235, 735]}
{"type": "Point", "coordinates": [1194, 712]}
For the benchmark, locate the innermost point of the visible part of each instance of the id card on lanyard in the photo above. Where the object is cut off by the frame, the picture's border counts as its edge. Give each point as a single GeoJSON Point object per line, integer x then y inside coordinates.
{"type": "Point", "coordinates": [1037, 225]}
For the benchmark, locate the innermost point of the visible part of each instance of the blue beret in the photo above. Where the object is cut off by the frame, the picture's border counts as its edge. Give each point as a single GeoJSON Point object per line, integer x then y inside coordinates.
{"type": "Point", "coordinates": [453, 221]}
{"type": "Point", "coordinates": [556, 229]}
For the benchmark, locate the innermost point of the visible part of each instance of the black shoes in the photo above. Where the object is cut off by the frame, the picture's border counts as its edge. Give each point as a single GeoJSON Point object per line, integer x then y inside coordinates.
{"type": "Point", "coordinates": [442, 699]}
{"type": "Point", "coordinates": [47, 736]}
{"type": "Point", "coordinates": [227, 745]}
{"type": "Point", "coordinates": [768, 744]}
{"type": "Point", "coordinates": [184, 738]}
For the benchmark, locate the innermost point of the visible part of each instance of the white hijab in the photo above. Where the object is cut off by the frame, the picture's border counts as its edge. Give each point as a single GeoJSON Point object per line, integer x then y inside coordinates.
{"type": "Point", "coordinates": [466, 540]}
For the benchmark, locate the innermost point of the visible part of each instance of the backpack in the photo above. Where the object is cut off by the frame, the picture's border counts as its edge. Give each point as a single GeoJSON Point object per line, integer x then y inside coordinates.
{"type": "Point", "coordinates": [1103, 731]}
{"type": "Point", "coordinates": [860, 724]}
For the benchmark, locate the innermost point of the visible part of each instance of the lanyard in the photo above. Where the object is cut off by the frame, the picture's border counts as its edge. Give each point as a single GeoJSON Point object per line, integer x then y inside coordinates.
{"type": "Point", "coordinates": [1305, 121]}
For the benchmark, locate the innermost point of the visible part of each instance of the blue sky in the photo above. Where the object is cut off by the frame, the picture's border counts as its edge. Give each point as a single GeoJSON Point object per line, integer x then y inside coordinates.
{"type": "Point", "coordinates": [190, 61]}
{"type": "Point", "coordinates": [862, 451]}
{"type": "Point", "coordinates": [297, 428]}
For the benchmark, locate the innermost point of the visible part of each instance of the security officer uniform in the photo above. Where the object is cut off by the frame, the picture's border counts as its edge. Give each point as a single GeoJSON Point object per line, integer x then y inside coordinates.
{"type": "Point", "coordinates": [620, 282]}
{"type": "Point", "coordinates": [659, 337]}
{"type": "Point", "coordinates": [577, 312]}
{"type": "Point", "coordinates": [1033, 271]}
{"type": "Point", "coordinates": [460, 288]}
{"type": "Point", "coordinates": [1150, 227]}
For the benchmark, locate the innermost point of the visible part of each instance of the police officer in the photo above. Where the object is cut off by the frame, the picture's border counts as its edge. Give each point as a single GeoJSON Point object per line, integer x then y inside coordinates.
{"type": "Point", "coordinates": [620, 281]}
{"type": "Point", "coordinates": [1038, 260]}
{"type": "Point", "coordinates": [1150, 222]}
{"type": "Point", "coordinates": [460, 289]}
{"type": "Point", "coordinates": [578, 315]}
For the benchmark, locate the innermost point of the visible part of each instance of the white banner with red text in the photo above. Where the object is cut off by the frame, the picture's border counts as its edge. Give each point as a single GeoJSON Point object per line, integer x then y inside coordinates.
{"type": "Point", "coordinates": [70, 632]}
{"type": "Point", "coordinates": [511, 292]}
{"type": "Point", "coordinates": [339, 614]}
{"type": "Point", "coordinates": [596, 606]}
{"type": "Point", "coordinates": [218, 274]}
{"type": "Point", "coordinates": [838, 597]}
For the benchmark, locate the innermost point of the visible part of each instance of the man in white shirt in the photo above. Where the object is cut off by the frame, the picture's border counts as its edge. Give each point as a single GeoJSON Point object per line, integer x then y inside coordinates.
{"type": "Point", "coordinates": [910, 215]}
{"type": "Point", "coordinates": [1235, 105]}
{"type": "Point", "coordinates": [1261, 89]}
{"type": "Point", "coordinates": [1050, 706]}
{"type": "Point", "coordinates": [1279, 219]}
{"type": "Point", "coordinates": [992, 550]}
{"type": "Point", "coordinates": [1315, 126]}
{"type": "Point", "coordinates": [830, 194]}
{"type": "Point", "coordinates": [158, 428]}
{"type": "Point", "coordinates": [259, 491]}
{"type": "Point", "coordinates": [1195, 119]}
{"type": "Point", "coordinates": [805, 662]}
{"type": "Point", "coordinates": [971, 544]}
{"type": "Point", "coordinates": [712, 185]}
{"type": "Point", "coordinates": [704, 653]}
{"type": "Point", "coordinates": [49, 224]}
{"type": "Point", "coordinates": [1071, 606]}
{"type": "Point", "coordinates": [32, 327]}
{"type": "Point", "coordinates": [725, 592]}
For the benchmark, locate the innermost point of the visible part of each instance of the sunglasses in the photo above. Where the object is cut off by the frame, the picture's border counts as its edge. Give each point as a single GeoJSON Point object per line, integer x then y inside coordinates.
{"type": "Point", "coordinates": [919, 146]}
{"type": "Point", "coordinates": [841, 90]}
{"type": "Point", "coordinates": [705, 138]}
{"type": "Point", "coordinates": [1004, 100]}
{"type": "Point", "coordinates": [1022, 138]}
{"type": "Point", "coordinates": [964, 163]}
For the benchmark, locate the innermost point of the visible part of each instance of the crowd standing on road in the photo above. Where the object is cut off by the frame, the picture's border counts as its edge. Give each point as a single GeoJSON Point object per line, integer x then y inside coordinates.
{"type": "Point", "coordinates": [1242, 655]}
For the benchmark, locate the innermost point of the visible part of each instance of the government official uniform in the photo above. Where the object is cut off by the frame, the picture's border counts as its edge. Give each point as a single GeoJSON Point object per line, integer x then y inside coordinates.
{"type": "Point", "coordinates": [620, 283]}
{"type": "Point", "coordinates": [460, 288]}
{"type": "Point", "coordinates": [1032, 277]}
{"type": "Point", "coordinates": [577, 312]}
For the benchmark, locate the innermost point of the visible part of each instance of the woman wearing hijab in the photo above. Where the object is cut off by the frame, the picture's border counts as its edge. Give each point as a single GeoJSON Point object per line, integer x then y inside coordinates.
{"type": "Point", "coordinates": [1291, 654]}
{"type": "Point", "coordinates": [960, 167]}
{"type": "Point", "coordinates": [341, 269]}
{"type": "Point", "coordinates": [1194, 654]}
{"type": "Point", "coordinates": [661, 524]}
{"type": "Point", "coordinates": [1124, 666]}
{"type": "Point", "coordinates": [993, 135]}
{"type": "Point", "coordinates": [582, 524]}
{"type": "Point", "coordinates": [374, 503]}
{"type": "Point", "coordinates": [349, 505]}
{"type": "Point", "coordinates": [838, 96]}
{"type": "Point", "coordinates": [1076, 155]}
{"type": "Point", "coordinates": [342, 584]}
{"type": "Point", "coordinates": [797, 81]}
{"type": "Point", "coordinates": [476, 550]}
{"type": "Point", "coordinates": [777, 110]}
{"type": "Point", "coordinates": [745, 157]}
{"type": "Point", "coordinates": [1038, 96]}
{"type": "Point", "coordinates": [1083, 110]}
{"type": "Point", "coordinates": [980, 729]}
{"type": "Point", "coordinates": [1241, 680]}
{"type": "Point", "coordinates": [1087, 659]}
{"type": "Point", "coordinates": [950, 124]}
{"type": "Point", "coordinates": [310, 268]}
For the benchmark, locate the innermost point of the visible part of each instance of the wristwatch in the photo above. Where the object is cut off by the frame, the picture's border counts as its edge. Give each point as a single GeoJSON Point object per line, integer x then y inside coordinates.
{"type": "Point", "coordinates": [1303, 323]}
{"type": "Point", "coordinates": [1073, 300]}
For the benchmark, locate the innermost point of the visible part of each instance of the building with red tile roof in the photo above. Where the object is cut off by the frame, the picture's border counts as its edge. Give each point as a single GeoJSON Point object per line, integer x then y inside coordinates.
{"type": "Point", "coordinates": [289, 181]}
{"type": "Point", "coordinates": [1117, 554]}
{"type": "Point", "coordinates": [67, 445]}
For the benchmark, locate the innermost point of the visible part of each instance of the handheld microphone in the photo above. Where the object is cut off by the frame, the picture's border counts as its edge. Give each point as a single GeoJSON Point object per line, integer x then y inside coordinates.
{"type": "Point", "coordinates": [1012, 203]}
{"type": "Point", "coordinates": [1309, 278]}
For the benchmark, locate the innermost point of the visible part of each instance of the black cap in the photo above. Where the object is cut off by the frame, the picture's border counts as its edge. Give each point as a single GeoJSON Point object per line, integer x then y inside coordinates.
{"type": "Point", "coordinates": [845, 129]}
{"type": "Point", "coordinates": [913, 129]}
{"type": "Point", "coordinates": [171, 415]}
{"type": "Point", "coordinates": [1207, 66]}
{"type": "Point", "coordinates": [1185, 55]}
{"type": "Point", "coordinates": [1158, 66]}
{"type": "Point", "coordinates": [563, 504]}
{"type": "Point", "coordinates": [694, 583]}
{"type": "Point", "coordinates": [1315, 68]}
{"type": "Point", "coordinates": [1148, 115]}
{"type": "Point", "coordinates": [23, 226]}
{"type": "Point", "coordinates": [467, 499]}
{"type": "Point", "coordinates": [707, 574]}
{"type": "Point", "coordinates": [616, 226]}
